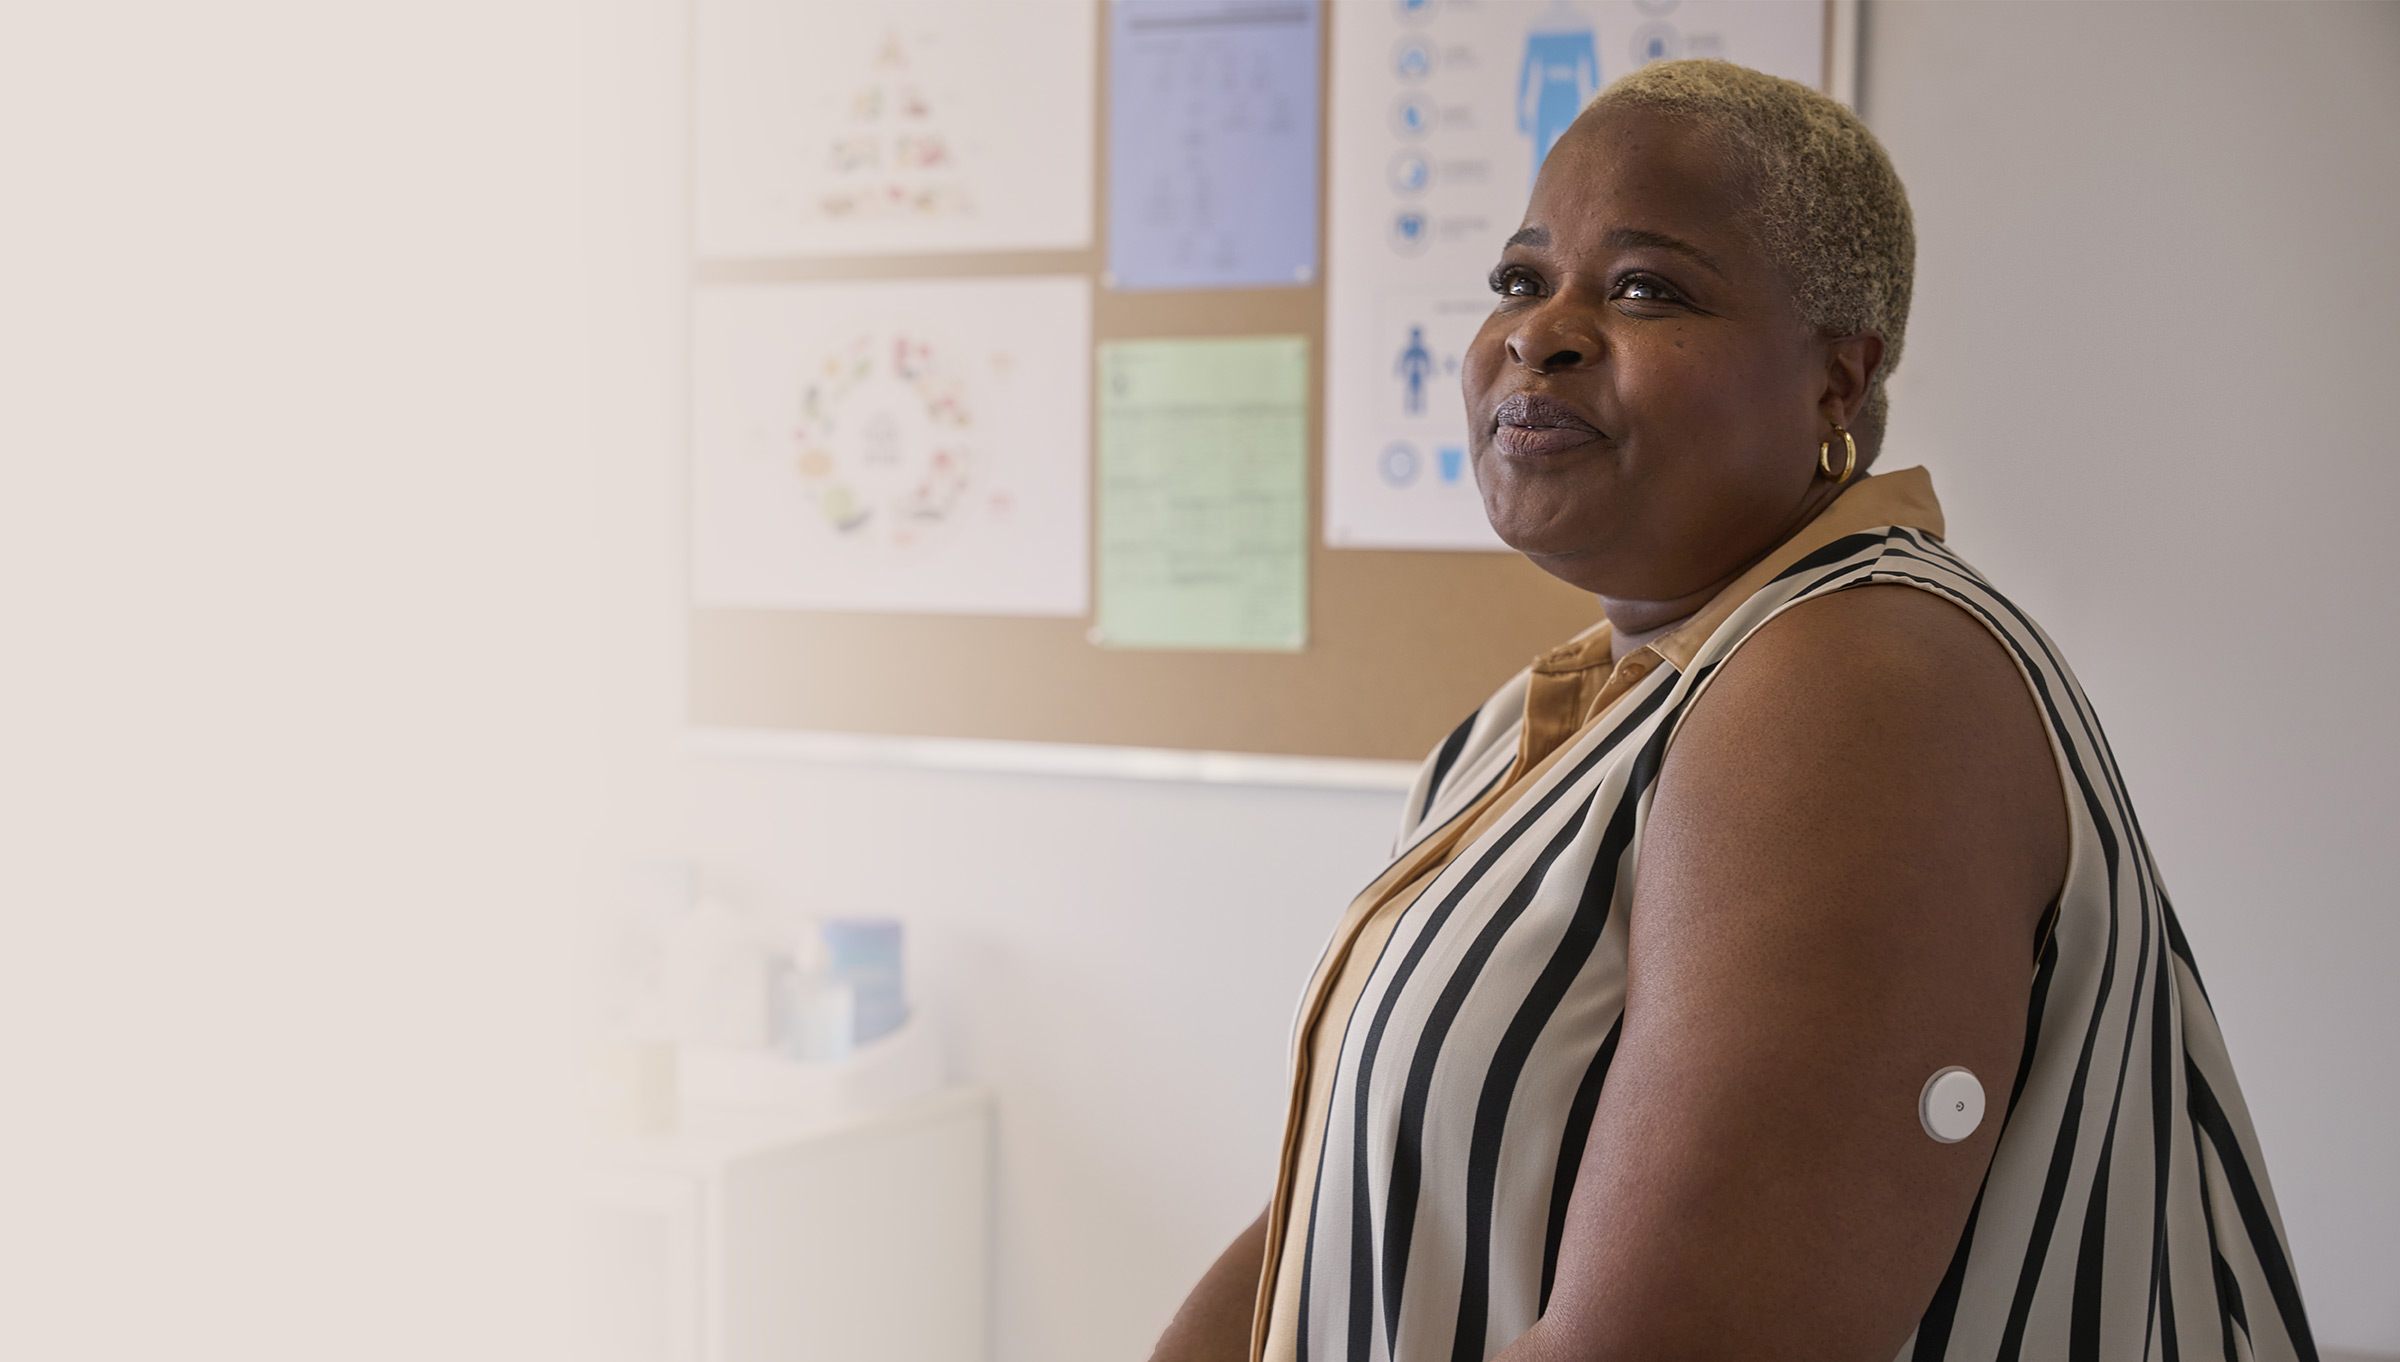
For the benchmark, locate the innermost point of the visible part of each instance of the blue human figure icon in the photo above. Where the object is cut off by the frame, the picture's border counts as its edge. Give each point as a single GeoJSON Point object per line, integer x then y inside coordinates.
{"type": "Point", "coordinates": [1416, 362]}
{"type": "Point", "coordinates": [1560, 75]}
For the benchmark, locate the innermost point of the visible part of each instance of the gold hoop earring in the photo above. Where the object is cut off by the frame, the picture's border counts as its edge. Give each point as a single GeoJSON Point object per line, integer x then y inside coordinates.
{"type": "Point", "coordinates": [1849, 457]}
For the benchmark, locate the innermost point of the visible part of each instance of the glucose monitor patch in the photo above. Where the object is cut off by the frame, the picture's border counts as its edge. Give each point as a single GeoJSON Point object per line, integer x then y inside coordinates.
{"type": "Point", "coordinates": [1951, 1105]}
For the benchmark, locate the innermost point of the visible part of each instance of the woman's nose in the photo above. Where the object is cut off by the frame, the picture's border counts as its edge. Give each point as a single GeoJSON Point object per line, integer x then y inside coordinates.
{"type": "Point", "coordinates": [1553, 337]}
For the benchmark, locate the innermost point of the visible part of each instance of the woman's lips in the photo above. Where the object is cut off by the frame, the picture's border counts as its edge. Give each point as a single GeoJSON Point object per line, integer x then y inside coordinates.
{"type": "Point", "coordinates": [1535, 441]}
{"type": "Point", "coordinates": [1529, 425]}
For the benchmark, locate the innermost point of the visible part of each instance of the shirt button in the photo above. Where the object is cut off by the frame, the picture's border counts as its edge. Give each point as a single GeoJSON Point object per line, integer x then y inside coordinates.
{"type": "Point", "coordinates": [1633, 671]}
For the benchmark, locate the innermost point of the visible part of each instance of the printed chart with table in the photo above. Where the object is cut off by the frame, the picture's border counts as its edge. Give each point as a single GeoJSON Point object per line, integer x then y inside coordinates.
{"type": "Point", "coordinates": [1212, 154]}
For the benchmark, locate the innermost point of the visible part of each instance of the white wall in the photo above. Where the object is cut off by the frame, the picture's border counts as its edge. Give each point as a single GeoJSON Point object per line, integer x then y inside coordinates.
{"type": "Point", "coordinates": [2157, 318]}
{"type": "Point", "coordinates": [304, 689]}
{"type": "Point", "coordinates": [2152, 366]}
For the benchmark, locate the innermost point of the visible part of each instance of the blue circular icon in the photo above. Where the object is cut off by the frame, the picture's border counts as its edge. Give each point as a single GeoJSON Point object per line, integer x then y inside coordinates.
{"type": "Point", "coordinates": [1410, 232]}
{"type": "Point", "coordinates": [1410, 172]}
{"type": "Point", "coordinates": [1413, 59]}
{"type": "Point", "coordinates": [1413, 115]}
{"type": "Point", "coordinates": [1656, 42]}
{"type": "Point", "coordinates": [1398, 465]}
{"type": "Point", "coordinates": [1415, 11]}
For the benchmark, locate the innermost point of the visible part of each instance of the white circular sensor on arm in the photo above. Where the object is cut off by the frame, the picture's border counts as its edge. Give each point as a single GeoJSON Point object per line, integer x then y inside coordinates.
{"type": "Point", "coordinates": [1951, 1106]}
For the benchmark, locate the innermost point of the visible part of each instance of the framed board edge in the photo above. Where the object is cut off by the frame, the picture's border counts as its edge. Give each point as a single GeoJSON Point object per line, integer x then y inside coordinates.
{"type": "Point", "coordinates": [1008, 757]}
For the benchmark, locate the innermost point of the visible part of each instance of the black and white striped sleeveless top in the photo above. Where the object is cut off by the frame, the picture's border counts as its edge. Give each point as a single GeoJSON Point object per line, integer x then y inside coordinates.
{"type": "Point", "coordinates": [2126, 1213]}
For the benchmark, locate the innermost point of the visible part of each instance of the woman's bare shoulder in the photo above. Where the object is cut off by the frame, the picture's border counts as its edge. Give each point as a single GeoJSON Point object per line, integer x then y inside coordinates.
{"type": "Point", "coordinates": [1891, 641]}
{"type": "Point", "coordinates": [1895, 712]}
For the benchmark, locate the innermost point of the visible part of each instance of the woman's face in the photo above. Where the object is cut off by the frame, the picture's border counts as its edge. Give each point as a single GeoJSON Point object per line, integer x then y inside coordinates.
{"type": "Point", "coordinates": [1645, 402]}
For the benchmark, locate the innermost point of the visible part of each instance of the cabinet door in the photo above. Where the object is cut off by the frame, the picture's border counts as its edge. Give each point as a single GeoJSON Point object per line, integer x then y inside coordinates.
{"type": "Point", "coordinates": [637, 1272]}
{"type": "Point", "coordinates": [865, 1245]}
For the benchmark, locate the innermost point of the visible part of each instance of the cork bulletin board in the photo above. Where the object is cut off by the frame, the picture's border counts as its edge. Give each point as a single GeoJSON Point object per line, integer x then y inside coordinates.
{"type": "Point", "coordinates": [1399, 644]}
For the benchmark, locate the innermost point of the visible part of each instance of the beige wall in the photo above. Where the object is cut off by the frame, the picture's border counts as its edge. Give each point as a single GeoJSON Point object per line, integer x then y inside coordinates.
{"type": "Point", "coordinates": [2153, 368]}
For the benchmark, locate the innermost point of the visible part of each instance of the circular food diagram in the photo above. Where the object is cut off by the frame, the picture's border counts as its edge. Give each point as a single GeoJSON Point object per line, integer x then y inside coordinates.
{"type": "Point", "coordinates": [885, 442]}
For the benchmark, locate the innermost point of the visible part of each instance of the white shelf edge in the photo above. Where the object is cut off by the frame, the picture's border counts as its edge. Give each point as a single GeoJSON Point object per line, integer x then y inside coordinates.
{"type": "Point", "coordinates": [1052, 759]}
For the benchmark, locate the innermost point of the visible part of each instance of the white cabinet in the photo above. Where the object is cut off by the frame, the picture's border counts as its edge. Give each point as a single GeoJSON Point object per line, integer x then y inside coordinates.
{"type": "Point", "coordinates": [744, 1238]}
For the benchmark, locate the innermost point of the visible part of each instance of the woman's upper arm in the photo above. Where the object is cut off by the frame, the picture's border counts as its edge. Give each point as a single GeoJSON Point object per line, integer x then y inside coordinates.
{"type": "Point", "coordinates": [1853, 838]}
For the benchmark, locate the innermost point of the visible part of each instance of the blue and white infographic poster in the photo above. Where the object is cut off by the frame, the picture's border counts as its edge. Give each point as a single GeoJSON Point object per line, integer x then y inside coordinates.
{"type": "Point", "coordinates": [1212, 143]}
{"type": "Point", "coordinates": [1442, 111]}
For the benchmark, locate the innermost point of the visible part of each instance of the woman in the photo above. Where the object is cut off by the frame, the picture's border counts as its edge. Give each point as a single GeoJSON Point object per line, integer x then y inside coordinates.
{"type": "Point", "coordinates": [1622, 1056]}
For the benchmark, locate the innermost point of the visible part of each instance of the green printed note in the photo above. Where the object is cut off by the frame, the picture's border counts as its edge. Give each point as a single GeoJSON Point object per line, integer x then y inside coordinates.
{"type": "Point", "coordinates": [1204, 493]}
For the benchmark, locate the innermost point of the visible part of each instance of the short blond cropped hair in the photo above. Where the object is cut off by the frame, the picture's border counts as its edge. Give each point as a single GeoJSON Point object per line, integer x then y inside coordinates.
{"type": "Point", "coordinates": [1830, 209]}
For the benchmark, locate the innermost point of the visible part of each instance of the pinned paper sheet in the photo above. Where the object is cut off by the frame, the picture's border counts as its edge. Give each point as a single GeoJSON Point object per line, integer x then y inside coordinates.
{"type": "Point", "coordinates": [1204, 493]}
{"type": "Point", "coordinates": [1212, 143]}
{"type": "Point", "coordinates": [897, 445]}
{"type": "Point", "coordinates": [874, 127]}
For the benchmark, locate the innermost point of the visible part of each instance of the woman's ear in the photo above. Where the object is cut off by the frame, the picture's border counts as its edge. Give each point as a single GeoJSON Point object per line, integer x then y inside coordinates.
{"type": "Point", "coordinates": [1851, 363]}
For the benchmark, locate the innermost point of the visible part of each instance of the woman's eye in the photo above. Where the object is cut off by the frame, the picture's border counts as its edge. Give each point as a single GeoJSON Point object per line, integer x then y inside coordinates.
{"type": "Point", "coordinates": [1648, 289]}
{"type": "Point", "coordinates": [1509, 281]}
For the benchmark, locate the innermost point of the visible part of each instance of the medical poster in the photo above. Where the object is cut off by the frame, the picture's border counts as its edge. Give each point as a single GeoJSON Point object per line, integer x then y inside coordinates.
{"type": "Point", "coordinates": [873, 127]}
{"type": "Point", "coordinates": [1204, 493]}
{"type": "Point", "coordinates": [1212, 143]}
{"type": "Point", "coordinates": [1441, 112]}
{"type": "Point", "coordinates": [893, 446]}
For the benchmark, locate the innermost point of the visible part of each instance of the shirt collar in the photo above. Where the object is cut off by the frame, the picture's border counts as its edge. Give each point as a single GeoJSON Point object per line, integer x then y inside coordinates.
{"type": "Point", "coordinates": [1576, 682]}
